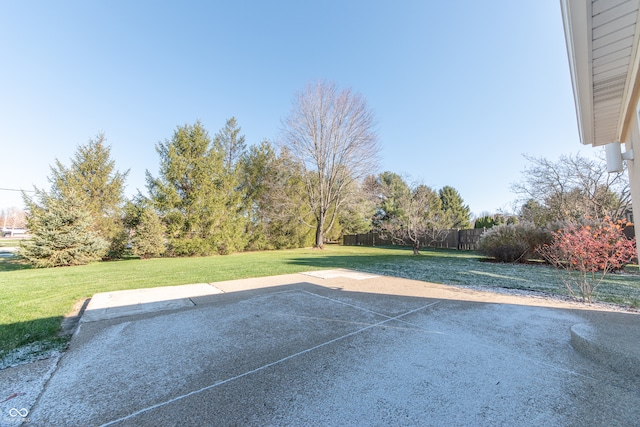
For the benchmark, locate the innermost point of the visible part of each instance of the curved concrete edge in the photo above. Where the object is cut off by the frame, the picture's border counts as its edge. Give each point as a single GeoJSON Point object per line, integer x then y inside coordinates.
{"type": "Point", "coordinates": [616, 348]}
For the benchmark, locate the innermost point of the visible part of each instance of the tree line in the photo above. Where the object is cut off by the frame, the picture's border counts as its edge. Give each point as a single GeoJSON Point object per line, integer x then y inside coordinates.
{"type": "Point", "coordinates": [218, 195]}
{"type": "Point", "coordinates": [211, 195]}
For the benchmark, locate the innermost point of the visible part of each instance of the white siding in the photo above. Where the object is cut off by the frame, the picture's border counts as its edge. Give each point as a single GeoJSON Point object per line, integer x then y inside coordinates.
{"type": "Point", "coordinates": [614, 39]}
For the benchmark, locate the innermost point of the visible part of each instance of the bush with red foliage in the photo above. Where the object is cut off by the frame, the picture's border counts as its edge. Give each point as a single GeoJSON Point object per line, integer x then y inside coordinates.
{"type": "Point", "coordinates": [586, 253]}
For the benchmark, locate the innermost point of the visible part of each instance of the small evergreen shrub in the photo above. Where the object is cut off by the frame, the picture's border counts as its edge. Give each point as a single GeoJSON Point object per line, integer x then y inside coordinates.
{"type": "Point", "coordinates": [513, 242]}
{"type": "Point", "coordinates": [148, 239]}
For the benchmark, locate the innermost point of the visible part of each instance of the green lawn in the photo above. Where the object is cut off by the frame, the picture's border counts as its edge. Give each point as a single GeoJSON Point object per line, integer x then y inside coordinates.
{"type": "Point", "coordinates": [33, 301]}
{"type": "Point", "coordinates": [7, 241]}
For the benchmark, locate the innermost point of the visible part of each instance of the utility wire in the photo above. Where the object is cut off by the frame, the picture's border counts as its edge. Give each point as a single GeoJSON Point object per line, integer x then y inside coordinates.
{"type": "Point", "coordinates": [14, 189]}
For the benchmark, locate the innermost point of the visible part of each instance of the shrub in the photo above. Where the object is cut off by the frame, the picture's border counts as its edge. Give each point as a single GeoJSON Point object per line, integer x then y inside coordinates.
{"type": "Point", "coordinates": [195, 246]}
{"type": "Point", "coordinates": [513, 242]}
{"type": "Point", "coordinates": [585, 253]}
{"type": "Point", "coordinates": [118, 244]}
{"type": "Point", "coordinates": [148, 238]}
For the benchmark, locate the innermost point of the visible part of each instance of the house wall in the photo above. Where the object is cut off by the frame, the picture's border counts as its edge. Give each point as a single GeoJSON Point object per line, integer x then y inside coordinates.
{"type": "Point", "coordinates": [632, 142]}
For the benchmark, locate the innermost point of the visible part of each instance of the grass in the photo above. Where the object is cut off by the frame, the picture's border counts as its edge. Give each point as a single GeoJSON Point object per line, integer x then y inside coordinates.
{"type": "Point", "coordinates": [34, 301]}
{"type": "Point", "coordinates": [7, 241]}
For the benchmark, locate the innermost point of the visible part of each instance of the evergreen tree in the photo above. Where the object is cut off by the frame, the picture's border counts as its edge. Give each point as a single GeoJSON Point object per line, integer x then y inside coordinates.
{"type": "Point", "coordinates": [392, 192]}
{"type": "Point", "coordinates": [486, 221]}
{"type": "Point", "coordinates": [489, 221]}
{"type": "Point", "coordinates": [292, 222]}
{"type": "Point", "coordinates": [453, 205]}
{"type": "Point", "coordinates": [409, 214]}
{"type": "Point", "coordinates": [356, 214]}
{"type": "Point", "coordinates": [229, 141]}
{"type": "Point", "coordinates": [231, 146]}
{"type": "Point", "coordinates": [148, 236]}
{"type": "Point", "coordinates": [196, 195]}
{"type": "Point", "coordinates": [186, 193]}
{"type": "Point", "coordinates": [133, 210]}
{"type": "Point", "coordinates": [259, 171]}
{"type": "Point", "coordinates": [535, 213]}
{"type": "Point", "coordinates": [62, 231]}
{"type": "Point", "coordinates": [93, 178]}
{"type": "Point", "coordinates": [274, 192]}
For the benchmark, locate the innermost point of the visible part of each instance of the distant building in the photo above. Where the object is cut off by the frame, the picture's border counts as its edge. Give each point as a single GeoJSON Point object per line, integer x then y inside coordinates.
{"type": "Point", "coordinates": [12, 232]}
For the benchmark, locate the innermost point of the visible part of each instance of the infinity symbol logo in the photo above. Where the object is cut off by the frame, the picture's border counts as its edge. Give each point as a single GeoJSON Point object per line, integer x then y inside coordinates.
{"type": "Point", "coordinates": [23, 412]}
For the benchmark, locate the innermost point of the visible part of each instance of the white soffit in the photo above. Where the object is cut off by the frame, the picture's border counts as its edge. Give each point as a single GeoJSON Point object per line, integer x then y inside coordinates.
{"type": "Point", "coordinates": [602, 44]}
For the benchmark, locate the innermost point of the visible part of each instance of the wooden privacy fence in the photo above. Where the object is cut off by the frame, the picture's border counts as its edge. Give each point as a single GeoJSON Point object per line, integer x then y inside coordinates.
{"type": "Point", "coordinates": [448, 239]}
{"type": "Point", "coordinates": [469, 239]}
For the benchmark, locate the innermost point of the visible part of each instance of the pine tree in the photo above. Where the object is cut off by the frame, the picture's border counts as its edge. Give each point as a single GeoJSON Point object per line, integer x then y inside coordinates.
{"type": "Point", "coordinates": [409, 214]}
{"type": "Point", "coordinates": [93, 178]}
{"type": "Point", "coordinates": [258, 170]}
{"type": "Point", "coordinates": [291, 222]}
{"type": "Point", "coordinates": [62, 231]}
{"type": "Point", "coordinates": [453, 205]}
{"type": "Point", "coordinates": [186, 193]}
{"type": "Point", "coordinates": [148, 238]}
{"type": "Point", "coordinates": [231, 144]}
{"type": "Point", "coordinates": [197, 194]}
{"type": "Point", "coordinates": [274, 200]}
{"type": "Point", "coordinates": [486, 221]}
{"type": "Point", "coordinates": [231, 147]}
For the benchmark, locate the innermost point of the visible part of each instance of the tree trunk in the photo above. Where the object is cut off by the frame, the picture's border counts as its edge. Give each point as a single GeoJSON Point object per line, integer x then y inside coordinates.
{"type": "Point", "coordinates": [319, 233]}
{"type": "Point", "coordinates": [416, 249]}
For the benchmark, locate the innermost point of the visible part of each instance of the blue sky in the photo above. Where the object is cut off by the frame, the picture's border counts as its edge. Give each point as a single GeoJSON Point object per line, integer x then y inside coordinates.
{"type": "Point", "coordinates": [461, 89]}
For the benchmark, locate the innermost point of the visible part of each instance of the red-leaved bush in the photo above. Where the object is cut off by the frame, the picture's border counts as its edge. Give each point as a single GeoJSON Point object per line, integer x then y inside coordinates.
{"type": "Point", "coordinates": [587, 252]}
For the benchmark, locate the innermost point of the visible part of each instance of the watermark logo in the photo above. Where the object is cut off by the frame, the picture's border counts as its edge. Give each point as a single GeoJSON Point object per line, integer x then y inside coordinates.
{"type": "Point", "coordinates": [15, 412]}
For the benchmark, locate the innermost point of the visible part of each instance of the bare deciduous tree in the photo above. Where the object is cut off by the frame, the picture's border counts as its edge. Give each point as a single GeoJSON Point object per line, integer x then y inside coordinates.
{"type": "Point", "coordinates": [331, 133]}
{"type": "Point", "coordinates": [12, 218]}
{"type": "Point", "coordinates": [421, 221]}
{"type": "Point", "coordinates": [409, 214]}
{"type": "Point", "coordinates": [571, 188]}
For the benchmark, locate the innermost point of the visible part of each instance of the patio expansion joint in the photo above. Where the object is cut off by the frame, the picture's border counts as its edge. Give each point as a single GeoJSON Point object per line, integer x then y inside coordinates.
{"type": "Point", "coordinates": [268, 365]}
{"type": "Point", "coordinates": [413, 326]}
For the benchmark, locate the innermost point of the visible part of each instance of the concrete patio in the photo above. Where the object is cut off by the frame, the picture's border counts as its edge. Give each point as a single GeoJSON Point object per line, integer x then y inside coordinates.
{"type": "Point", "coordinates": [339, 347]}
